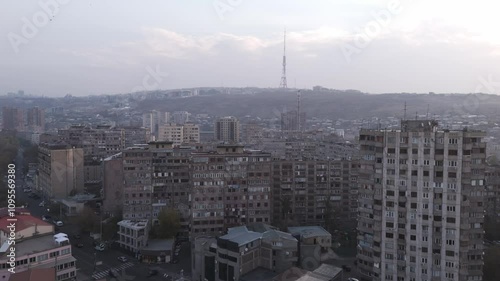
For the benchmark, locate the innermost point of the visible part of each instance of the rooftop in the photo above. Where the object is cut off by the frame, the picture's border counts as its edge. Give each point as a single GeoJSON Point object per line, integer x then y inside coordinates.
{"type": "Point", "coordinates": [134, 224]}
{"type": "Point", "coordinates": [33, 245]}
{"type": "Point", "coordinates": [241, 235]}
{"type": "Point", "coordinates": [308, 231]}
{"type": "Point", "coordinates": [328, 270]}
{"type": "Point", "coordinates": [24, 221]}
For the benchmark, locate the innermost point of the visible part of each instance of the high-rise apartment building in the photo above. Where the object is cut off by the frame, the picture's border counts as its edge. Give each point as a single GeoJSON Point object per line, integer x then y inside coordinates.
{"type": "Point", "coordinates": [156, 176]}
{"type": "Point", "coordinates": [227, 129]}
{"type": "Point", "coordinates": [153, 119]}
{"type": "Point", "coordinates": [13, 119]}
{"type": "Point", "coordinates": [36, 120]}
{"type": "Point", "coordinates": [60, 170]}
{"type": "Point", "coordinates": [99, 142]}
{"type": "Point", "coordinates": [315, 192]}
{"type": "Point", "coordinates": [421, 203]}
{"type": "Point", "coordinates": [231, 187]}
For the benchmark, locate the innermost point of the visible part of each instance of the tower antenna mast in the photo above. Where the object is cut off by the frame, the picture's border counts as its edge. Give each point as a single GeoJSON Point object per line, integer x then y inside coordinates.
{"type": "Point", "coordinates": [283, 83]}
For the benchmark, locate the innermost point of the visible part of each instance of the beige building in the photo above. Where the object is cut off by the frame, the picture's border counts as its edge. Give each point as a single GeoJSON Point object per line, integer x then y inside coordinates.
{"type": "Point", "coordinates": [179, 134]}
{"type": "Point", "coordinates": [133, 234]}
{"type": "Point", "coordinates": [421, 203]}
{"type": "Point", "coordinates": [60, 168]}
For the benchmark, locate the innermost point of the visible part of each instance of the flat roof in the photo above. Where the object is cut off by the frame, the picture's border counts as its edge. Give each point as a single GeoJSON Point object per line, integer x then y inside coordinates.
{"type": "Point", "coordinates": [328, 270]}
{"type": "Point", "coordinates": [159, 245]}
{"type": "Point", "coordinates": [241, 235]}
{"type": "Point", "coordinates": [134, 224]}
{"type": "Point", "coordinates": [308, 231]}
{"type": "Point", "coordinates": [34, 245]}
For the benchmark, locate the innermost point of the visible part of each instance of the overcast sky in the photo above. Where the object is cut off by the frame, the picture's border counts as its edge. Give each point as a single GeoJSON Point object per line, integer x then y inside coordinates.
{"type": "Point", "coordinates": [86, 47]}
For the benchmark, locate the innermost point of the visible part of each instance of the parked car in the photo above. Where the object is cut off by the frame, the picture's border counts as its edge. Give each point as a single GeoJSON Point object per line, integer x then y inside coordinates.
{"type": "Point", "coordinates": [77, 236]}
{"type": "Point", "coordinates": [46, 218]}
{"type": "Point", "coordinates": [99, 248]}
{"type": "Point", "coordinates": [59, 223]}
{"type": "Point", "coordinates": [79, 245]}
{"type": "Point", "coordinates": [352, 279]}
{"type": "Point", "coordinates": [122, 259]}
{"type": "Point", "coordinates": [42, 204]}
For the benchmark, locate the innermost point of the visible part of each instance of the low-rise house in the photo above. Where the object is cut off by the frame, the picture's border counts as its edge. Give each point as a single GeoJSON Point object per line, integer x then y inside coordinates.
{"type": "Point", "coordinates": [133, 234]}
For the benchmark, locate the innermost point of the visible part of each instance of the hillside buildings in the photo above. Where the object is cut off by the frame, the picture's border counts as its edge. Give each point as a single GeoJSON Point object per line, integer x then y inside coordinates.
{"type": "Point", "coordinates": [421, 204]}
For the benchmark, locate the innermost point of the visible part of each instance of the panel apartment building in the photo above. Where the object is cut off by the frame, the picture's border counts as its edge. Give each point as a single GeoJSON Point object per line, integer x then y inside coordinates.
{"type": "Point", "coordinates": [156, 176]}
{"type": "Point", "coordinates": [60, 170]}
{"type": "Point", "coordinates": [231, 187]}
{"type": "Point", "coordinates": [421, 203]}
{"type": "Point", "coordinates": [315, 192]}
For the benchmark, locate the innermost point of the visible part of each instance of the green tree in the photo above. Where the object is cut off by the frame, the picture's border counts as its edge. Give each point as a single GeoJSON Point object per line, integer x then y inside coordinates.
{"type": "Point", "coordinates": [110, 228]}
{"type": "Point", "coordinates": [169, 223]}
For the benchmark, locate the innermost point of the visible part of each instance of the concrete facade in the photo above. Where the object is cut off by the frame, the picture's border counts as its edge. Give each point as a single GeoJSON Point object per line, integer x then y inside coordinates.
{"type": "Point", "coordinates": [421, 206]}
{"type": "Point", "coordinates": [60, 170]}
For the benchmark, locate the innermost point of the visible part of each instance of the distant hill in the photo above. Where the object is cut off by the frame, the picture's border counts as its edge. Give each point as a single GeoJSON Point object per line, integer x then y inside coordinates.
{"type": "Point", "coordinates": [333, 105]}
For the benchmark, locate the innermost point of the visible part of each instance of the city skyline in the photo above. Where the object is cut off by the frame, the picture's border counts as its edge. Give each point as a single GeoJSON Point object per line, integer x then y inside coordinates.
{"type": "Point", "coordinates": [408, 46]}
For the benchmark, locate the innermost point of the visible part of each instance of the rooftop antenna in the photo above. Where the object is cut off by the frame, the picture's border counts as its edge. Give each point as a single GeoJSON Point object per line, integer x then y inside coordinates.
{"type": "Point", "coordinates": [283, 74]}
{"type": "Point", "coordinates": [298, 110]}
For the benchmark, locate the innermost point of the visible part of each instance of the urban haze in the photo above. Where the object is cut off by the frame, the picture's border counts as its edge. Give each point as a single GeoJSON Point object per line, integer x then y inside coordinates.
{"type": "Point", "coordinates": [233, 140]}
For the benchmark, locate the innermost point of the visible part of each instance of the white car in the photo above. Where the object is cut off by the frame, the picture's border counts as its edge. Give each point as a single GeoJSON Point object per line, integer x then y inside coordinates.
{"type": "Point", "coordinates": [59, 223]}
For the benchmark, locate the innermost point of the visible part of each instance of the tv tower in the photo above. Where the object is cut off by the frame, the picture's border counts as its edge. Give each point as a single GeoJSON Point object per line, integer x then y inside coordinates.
{"type": "Point", "coordinates": [298, 112]}
{"type": "Point", "coordinates": [283, 74]}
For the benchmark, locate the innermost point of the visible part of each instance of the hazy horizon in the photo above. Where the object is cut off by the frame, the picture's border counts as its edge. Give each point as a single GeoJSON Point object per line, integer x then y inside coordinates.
{"type": "Point", "coordinates": [54, 48]}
